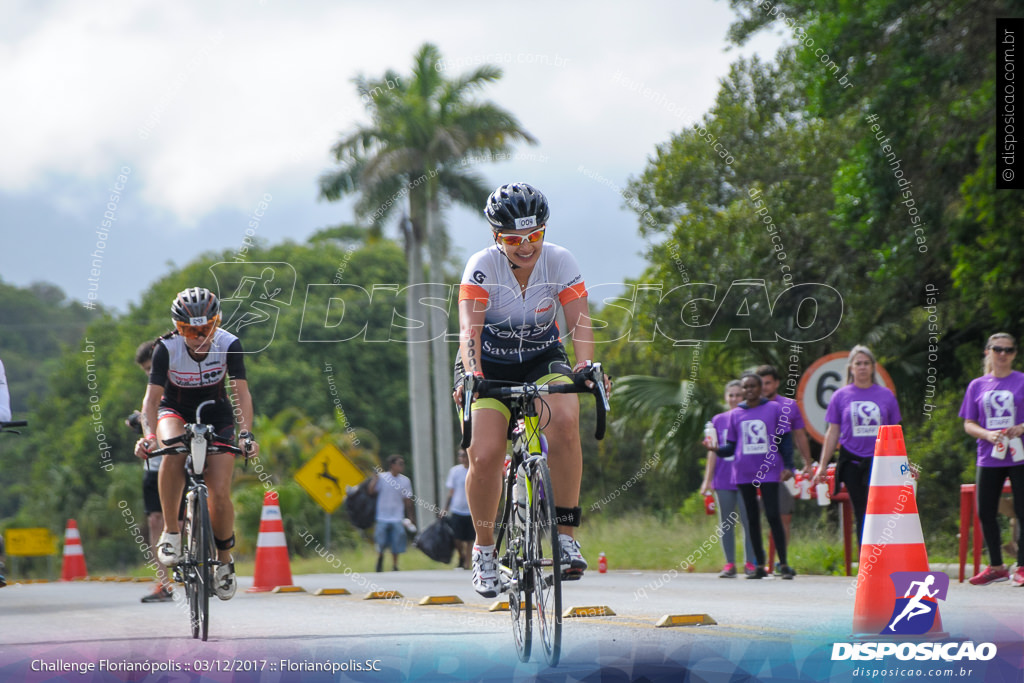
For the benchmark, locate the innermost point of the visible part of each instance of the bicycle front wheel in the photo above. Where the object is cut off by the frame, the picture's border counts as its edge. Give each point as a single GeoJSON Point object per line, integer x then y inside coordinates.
{"type": "Point", "coordinates": [544, 561]}
{"type": "Point", "coordinates": [189, 562]}
{"type": "Point", "coordinates": [202, 566]}
{"type": "Point", "coordinates": [514, 568]}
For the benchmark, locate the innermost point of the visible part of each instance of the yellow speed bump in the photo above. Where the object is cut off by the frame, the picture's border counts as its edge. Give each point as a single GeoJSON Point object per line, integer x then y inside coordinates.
{"type": "Point", "coordinates": [441, 600]}
{"type": "Point", "coordinates": [502, 606]}
{"type": "Point", "coordinates": [594, 611]}
{"type": "Point", "coordinates": [143, 579]}
{"type": "Point", "coordinates": [383, 595]}
{"type": "Point", "coordinates": [288, 589]}
{"type": "Point", "coordinates": [332, 591]}
{"type": "Point", "coordinates": [686, 620]}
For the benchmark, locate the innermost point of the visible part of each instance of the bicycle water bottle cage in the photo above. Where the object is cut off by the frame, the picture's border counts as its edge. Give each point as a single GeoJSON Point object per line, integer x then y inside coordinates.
{"type": "Point", "coordinates": [200, 438]}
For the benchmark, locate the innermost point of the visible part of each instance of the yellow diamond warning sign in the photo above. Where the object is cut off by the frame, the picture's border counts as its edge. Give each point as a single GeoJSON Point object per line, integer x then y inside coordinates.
{"type": "Point", "coordinates": [326, 476]}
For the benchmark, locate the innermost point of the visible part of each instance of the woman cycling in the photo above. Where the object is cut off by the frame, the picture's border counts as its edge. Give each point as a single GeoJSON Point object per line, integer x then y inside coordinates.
{"type": "Point", "coordinates": [718, 479]}
{"type": "Point", "coordinates": [507, 304]}
{"type": "Point", "coordinates": [854, 414]}
{"type": "Point", "coordinates": [990, 416]}
{"type": "Point", "coordinates": [763, 447]}
{"type": "Point", "coordinates": [189, 366]}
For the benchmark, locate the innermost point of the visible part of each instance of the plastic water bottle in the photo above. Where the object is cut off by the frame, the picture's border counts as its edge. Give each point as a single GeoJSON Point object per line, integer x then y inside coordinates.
{"type": "Point", "coordinates": [709, 504]}
{"type": "Point", "coordinates": [602, 564]}
{"type": "Point", "coordinates": [710, 437]}
{"type": "Point", "coordinates": [519, 494]}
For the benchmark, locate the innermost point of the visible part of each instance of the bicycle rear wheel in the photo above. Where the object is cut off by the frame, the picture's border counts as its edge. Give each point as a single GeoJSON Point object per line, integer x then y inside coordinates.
{"type": "Point", "coordinates": [513, 566]}
{"type": "Point", "coordinates": [544, 562]}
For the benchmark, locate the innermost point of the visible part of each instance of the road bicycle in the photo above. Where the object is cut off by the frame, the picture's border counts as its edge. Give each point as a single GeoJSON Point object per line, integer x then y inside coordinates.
{"type": "Point", "coordinates": [5, 428]}
{"type": "Point", "coordinates": [526, 545]}
{"type": "Point", "coordinates": [198, 564]}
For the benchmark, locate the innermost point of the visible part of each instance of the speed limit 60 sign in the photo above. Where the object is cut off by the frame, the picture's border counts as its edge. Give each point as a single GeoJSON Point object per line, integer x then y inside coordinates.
{"type": "Point", "coordinates": [821, 380]}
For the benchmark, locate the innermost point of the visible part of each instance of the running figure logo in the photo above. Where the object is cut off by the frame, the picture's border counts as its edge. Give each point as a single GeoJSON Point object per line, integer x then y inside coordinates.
{"type": "Point", "coordinates": [916, 611]}
{"type": "Point", "coordinates": [252, 296]}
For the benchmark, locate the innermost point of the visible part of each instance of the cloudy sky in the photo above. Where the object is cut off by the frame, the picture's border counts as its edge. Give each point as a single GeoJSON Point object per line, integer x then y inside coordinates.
{"type": "Point", "coordinates": [205, 109]}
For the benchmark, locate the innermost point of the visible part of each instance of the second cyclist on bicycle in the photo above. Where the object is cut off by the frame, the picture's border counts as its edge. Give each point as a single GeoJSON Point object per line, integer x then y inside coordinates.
{"type": "Point", "coordinates": [508, 300]}
{"type": "Point", "coordinates": [190, 365]}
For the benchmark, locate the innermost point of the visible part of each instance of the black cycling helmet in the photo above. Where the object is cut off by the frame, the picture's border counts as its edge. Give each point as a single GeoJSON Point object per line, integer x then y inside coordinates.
{"type": "Point", "coordinates": [195, 306]}
{"type": "Point", "coordinates": [516, 206]}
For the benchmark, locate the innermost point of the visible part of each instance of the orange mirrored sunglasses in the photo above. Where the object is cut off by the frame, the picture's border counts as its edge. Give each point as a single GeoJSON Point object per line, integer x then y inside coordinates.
{"type": "Point", "coordinates": [511, 239]}
{"type": "Point", "coordinates": [197, 331]}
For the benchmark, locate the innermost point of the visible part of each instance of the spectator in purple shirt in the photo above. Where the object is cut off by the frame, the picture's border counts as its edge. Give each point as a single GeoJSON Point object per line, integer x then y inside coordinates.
{"type": "Point", "coordinates": [761, 462]}
{"type": "Point", "coordinates": [990, 416]}
{"type": "Point", "coordinates": [793, 420]}
{"type": "Point", "coordinates": [854, 414]}
{"type": "Point", "coordinates": [718, 480]}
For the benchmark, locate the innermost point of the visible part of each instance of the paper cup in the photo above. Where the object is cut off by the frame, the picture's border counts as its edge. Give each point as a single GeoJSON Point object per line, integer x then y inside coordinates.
{"type": "Point", "coordinates": [791, 486]}
{"type": "Point", "coordinates": [822, 490]}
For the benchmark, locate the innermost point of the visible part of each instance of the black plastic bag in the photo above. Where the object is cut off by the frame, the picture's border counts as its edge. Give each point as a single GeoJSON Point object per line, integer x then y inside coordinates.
{"type": "Point", "coordinates": [437, 541]}
{"type": "Point", "coordinates": [361, 505]}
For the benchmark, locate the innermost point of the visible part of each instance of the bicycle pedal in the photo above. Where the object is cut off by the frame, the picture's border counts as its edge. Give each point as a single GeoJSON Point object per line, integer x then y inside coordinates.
{"type": "Point", "coordinates": [572, 574]}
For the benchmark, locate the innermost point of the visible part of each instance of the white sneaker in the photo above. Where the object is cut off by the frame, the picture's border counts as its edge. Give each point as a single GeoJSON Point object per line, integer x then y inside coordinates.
{"type": "Point", "coordinates": [485, 571]}
{"type": "Point", "coordinates": [573, 564]}
{"type": "Point", "coordinates": [224, 584]}
{"type": "Point", "coordinates": [168, 549]}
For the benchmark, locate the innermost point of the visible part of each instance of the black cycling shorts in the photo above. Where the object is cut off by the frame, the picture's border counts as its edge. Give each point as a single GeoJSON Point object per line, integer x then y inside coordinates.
{"type": "Point", "coordinates": [547, 367]}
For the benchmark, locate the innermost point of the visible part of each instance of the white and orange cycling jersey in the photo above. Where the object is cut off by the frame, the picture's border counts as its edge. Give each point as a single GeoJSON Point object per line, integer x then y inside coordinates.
{"type": "Point", "coordinates": [520, 324]}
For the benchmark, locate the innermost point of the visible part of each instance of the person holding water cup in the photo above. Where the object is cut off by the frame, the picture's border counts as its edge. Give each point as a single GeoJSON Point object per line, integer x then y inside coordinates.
{"type": "Point", "coordinates": [718, 480]}
{"type": "Point", "coordinates": [854, 414]}
{"type": "Point", "coordinates": [992, 415]}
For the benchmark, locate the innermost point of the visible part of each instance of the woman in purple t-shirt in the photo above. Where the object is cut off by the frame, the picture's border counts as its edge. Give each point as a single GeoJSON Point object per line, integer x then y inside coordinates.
{"type": "Point", "coordinates": [718, 479]}
{"type": "Point", "coordinates": [990, 416]}
{"type": "Point", "coordinates": [854, 414]}
{"type": "Point", "coordinates": [763, 448]}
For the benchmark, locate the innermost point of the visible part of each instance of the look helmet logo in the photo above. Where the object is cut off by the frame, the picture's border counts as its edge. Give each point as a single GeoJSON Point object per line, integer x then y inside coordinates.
{"type": "Point", "coordinates": [914, 613]}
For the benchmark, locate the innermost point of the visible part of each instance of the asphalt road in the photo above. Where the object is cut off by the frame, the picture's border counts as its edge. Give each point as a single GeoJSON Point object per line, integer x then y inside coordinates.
{"type": "Point", "coordinates": [769, 630]}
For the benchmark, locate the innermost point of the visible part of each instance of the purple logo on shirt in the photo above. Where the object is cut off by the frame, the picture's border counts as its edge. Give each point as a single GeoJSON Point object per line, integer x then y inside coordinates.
{"type": "Point", "coordinates": [755, 437]}
{"type": "Point", "coordinates": [999, 409]}
{"type": "Point", "coordinates": [866, 418]}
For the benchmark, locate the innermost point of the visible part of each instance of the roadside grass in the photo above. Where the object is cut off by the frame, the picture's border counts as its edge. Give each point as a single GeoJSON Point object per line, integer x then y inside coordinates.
{"type": "Point", "coordinates": [630, 539]}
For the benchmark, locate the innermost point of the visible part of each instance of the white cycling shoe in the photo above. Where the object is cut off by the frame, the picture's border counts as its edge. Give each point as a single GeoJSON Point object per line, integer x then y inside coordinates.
{"type": "Point", "coordinates": [573, 563]}
{"type": "Point", "coordinates": [224, 583]}
{"type": "Point", "coordinates": [485, 572]}
{"type": "Point", "coordinates": [168, 549]}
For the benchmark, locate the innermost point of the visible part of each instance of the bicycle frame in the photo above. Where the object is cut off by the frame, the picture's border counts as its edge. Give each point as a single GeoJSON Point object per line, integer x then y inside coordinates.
{"type": "Point", "coordinates": [530, 562]}
{"type": "Point", "coordinates": [199, 562]}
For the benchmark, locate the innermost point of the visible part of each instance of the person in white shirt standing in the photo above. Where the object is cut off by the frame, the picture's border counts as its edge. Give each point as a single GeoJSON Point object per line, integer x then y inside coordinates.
{"type": "Point", "coordinates": [394, 510]}
{"type": "Point", "coordinates": [456, 508]}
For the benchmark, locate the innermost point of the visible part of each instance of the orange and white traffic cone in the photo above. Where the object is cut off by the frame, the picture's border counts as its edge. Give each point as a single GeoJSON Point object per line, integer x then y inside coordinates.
{"type": "Point", "coordinates": [893, 541]}
{"type": "Point", "coordinates": [272, 565]}
{"type": "Point", "coordinates": [74, 558]}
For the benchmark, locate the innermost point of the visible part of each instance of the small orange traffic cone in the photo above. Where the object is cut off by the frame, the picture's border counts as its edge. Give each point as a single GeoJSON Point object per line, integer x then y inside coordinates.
{"type": "Point", "coordinates": [893, 541]}
{"type": "Point", "coordinates": [272, 566]}
{"type": "Point", "coordinates": [74, 559]}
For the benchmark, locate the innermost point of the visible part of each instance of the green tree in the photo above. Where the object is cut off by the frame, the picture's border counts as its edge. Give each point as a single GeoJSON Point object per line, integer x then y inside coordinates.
{"type": "Point", "coordinates": [423, 129]}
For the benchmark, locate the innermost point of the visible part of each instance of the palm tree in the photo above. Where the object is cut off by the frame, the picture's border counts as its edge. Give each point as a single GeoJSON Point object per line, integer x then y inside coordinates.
{"type": "Point", "coordinates": [423, 129]}
{"type": "Point", "coordinates": [676, 411]}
